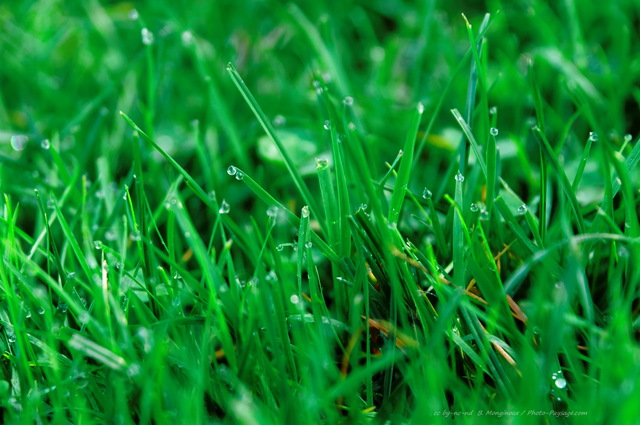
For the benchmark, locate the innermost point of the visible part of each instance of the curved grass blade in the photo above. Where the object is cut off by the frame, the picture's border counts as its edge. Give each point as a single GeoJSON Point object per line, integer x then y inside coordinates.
{"type": "Point", "coordinates": [268, 128]}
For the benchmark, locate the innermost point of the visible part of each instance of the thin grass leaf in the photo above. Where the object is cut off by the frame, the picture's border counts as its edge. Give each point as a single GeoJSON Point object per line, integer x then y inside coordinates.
{"type": "Point", "coordinates": [268, 128]}
{"type": "Point", "coordinates": [402, 181]}
{"type": "Point", "coordinates": [474, 144]}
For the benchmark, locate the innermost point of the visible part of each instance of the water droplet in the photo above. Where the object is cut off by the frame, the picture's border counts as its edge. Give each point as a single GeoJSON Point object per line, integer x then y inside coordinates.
{"type": "Point", "coordinates": [560, 383]}
{"type": "Point", "coordinates": [426, 193]}
{"type": "Point", "coordinates": [294, 299]}
{"type": "Point", "coordinates": [176, 301]}
{"type": "Point", "coordinates": [627, 138]}
{"type": "Point", "coordinates": [11, 338]}
{"type": "Point", "coordinates": [19, 141]}
{"type": "Point", "coordinates": [45, 144]}
{"type": "Point", "coordinates": [593, 136]}
{"type": "Point", "coordinates": [280, 247]}
{"type": "Point", "coordinates": [135, 236]}
{"type": "Point", "coordinates": [309, 244]}
{"type": "Point", "coordinates": [494, 131]}
{"type": "Point", "coordinates": [279, 121]}
{"type": "Point", "coordinates": [133, 15]}
{"type": "Point", "coordinates": [420, 108]}
{"type": "Point", "coordinates": [272, 211]}
{"type": "Point", "coordinates": [348, 101]}
{"type": "Point", "coordinates": [364, 206]}
{"type": "Point", "coordinates": [27, 314]}
{"type": "Point", "coordinates": [97, 244]}
{"type": "Point", "coordinates": [271, 276]}
{"type": "Point", "coordinates": [110, 235]}
{"type": "Point", "coordinates": [623, 252]}
{"type": "Point", "coordinates": [474, 208]}
{"type": "Point", "coordinates": [41, 311]}
{"type": "Point", "coordinates": [224, 207]}
{"type": "Point", "coordinates": [327, 125]}
{"type": "Point", "coordinates": [343, 280]}
{"type": "Point", "coordinates": [239, 175]}
{"type": "Point", "coordinates": [351, 126]}
{"type": "Point", "coordinates": [321, 163]}
{"type": "Point", "coordinates": [187, 234]}
{"type": "Point", "coordinates": [459, 177]}
{"type": "Point", "coordinates": [63, 307]}
{"type": "Point", "coordinates": [71, 276]}
{"type": "Point", "coordinates": [187, 38]}
{"type": "Point", "coordinates": [522, 209]}
{"type": "Point", "coordinates": [493, 110]}
{"type": "Point", "coordinates": [232, 170]}
{"type": "Point", "coordinates": [305, 211]}
{"type": "Point", "coordinates": [147, 36]}
{"type": "Point", "coordinates": [84, 317]}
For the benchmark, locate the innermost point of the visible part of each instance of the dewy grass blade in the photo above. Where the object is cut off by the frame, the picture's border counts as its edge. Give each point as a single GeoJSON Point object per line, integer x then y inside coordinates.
{"type": "Point", "coordinates": [330, 203]}
{"type": "Point", "coordinates": [221, 108]}
{"type": "Point", "coordinates": [212, 277]}
{"type": "Point", "coordinates": [472, 140]}
{"type": "Point", "coordinates": [458, 233]}
{"type": "Point", "coordinates": [492, 176]}
{"type": "Point", "coordinates": [582, 164]}
{"type": "Point", "coordinates": [268, 128]}
{"type": "Point", "coordinates": [392, 167]}
{"type": "Point", "coordinates": [191, 183]}
{"type": "Point", "coordinates": [315, 239]}
{"type": "Point", "coordinates": [404, 173]}
{"type": "Point", "coordinates": [140, 225]}
{"type": "Point", "coordinates": [75, 247]}
{"type": "Point", "coordinates": [339, 165]}
{"type": "Point", "coordinates": [199, 192]}
{"type": "Point", "coordinates": [471, 89]}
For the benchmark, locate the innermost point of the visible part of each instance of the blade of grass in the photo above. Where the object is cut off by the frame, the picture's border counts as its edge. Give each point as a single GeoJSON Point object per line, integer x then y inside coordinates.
{"type": "Point", "coordinates": [404, 173]}
{"type": "Point", "coordinates": [268, 128]}
{"type": "Point", "coordinates": [472, 140]}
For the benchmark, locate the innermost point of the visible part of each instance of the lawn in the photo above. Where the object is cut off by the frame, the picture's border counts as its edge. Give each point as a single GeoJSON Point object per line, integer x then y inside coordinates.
{"type": "Point", "coordinates": [358, 212]}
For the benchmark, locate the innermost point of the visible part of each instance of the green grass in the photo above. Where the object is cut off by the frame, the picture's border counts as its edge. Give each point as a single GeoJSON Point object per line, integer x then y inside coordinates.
{"type": "Point", "coordinates": [324, 212]}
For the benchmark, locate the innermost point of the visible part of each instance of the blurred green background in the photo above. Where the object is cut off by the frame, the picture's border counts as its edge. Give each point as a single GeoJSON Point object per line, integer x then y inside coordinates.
{"type": "Point", "coordinates": [68, 68]}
